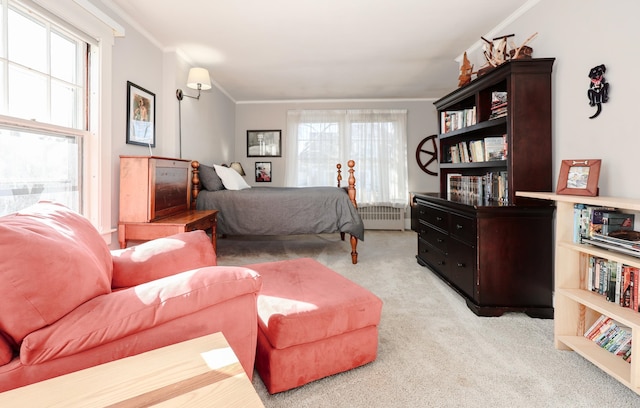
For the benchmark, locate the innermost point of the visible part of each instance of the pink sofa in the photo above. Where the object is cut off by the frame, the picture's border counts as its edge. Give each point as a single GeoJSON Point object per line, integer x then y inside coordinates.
{"type": "Point", "coordinates": [67, 302]}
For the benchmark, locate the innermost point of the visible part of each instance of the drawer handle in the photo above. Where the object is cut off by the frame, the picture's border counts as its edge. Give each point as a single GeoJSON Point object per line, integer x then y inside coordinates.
{"type": "Point", "coordinates": [424, 251]}
{"type": "Point", "coordinates": [440, 240]}
{"type": "Point", "coordinates": [460, 265]}
{"type": "Point", "coordinates": [438, 218]}
{"type": "Point", "coordinates": [422, 212]}
{"type": "Point", "coordinates": [458, 226]}
{"type": "Point", "coordinates": [441, 263]}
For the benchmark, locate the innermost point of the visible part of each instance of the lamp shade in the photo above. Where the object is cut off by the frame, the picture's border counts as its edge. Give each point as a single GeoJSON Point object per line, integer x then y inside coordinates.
{"type": "Point", "coordinates": [199, 76]}
{"type": "Point", "coordinates": [238, 167]}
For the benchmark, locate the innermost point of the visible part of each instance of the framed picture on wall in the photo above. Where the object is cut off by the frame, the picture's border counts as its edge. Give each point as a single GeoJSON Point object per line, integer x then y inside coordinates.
{"type": "Point", "coordinates": [263, 172]}
{"type": "Point", "coordinates": [264, 143]}
{"type": "Point", "coordinates": [141, 116]}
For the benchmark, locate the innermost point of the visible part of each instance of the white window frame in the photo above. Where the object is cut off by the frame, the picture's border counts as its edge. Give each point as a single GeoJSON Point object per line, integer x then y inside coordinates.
{"type": "Point", "coordinates": [97, 150]}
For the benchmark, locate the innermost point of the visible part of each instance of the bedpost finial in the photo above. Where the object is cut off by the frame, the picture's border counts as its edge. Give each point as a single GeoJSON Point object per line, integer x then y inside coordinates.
{"type": "Point", "coordinates": [351, 163]}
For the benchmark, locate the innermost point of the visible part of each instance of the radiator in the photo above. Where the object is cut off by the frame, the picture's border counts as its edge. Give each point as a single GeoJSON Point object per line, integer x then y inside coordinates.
{"type": "Point", "coordinates": [382, 217]}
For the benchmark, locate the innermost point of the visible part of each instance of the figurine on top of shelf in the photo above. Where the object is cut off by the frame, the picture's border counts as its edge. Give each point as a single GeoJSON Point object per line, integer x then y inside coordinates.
{"type": "Point", "coordinates": [496, 52]}
{"type": "Point", "coordinates": [466, 69]}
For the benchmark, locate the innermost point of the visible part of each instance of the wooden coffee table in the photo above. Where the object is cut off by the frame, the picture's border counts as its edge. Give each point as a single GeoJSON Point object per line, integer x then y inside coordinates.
{"type": "Point", "coordinates": [202, 372]}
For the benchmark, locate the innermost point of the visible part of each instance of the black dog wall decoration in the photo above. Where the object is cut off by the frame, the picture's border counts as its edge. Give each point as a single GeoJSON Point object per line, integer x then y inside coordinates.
{"type": "Point", "coordinates": [598, 92]}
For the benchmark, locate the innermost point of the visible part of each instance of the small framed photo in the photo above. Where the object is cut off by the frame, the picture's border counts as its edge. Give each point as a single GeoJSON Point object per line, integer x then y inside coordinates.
{"type": "Point", "coordinates": [263, 172]}
{"type": "Point", "coordinates": [264, 143]}
{"type": "Point", "coordinates": [141, 116]}
{"type": "Point", "coordinates": [579, 177]}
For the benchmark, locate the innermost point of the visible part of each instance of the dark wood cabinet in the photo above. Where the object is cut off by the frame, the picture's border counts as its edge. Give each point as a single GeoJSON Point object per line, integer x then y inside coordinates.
{"type": "Point", "coordinates": [496, 253]}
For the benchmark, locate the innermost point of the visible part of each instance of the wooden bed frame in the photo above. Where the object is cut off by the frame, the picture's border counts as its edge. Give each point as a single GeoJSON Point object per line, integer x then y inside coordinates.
{"type": "Point", "coordinates": [351, 191]}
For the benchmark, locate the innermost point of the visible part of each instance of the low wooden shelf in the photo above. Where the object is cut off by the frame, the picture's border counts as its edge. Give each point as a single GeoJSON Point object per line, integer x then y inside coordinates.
{"type": "Point", "coordinates": [576, 307]}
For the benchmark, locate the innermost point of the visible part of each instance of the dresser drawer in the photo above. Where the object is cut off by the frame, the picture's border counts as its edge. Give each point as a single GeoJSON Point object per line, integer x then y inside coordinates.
{"type": "Point", "coordinates": [431, 255]}
{"type": "Point", "coordinates": [462, 267]}
{"type": "Point", "coordinates": [437, 218]}
{"type": "Point", "coordinates": [434, 237]}
{"type": "Point", "coordinates": [463, 228]}
{"type": "Point", "coordinates": [201, 224]}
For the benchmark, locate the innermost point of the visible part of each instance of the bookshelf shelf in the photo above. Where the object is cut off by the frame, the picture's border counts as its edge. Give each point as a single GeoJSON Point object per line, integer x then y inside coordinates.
{"type": "Point", "coordinates": [498, 123]}
{"type": "Point", "coordinates": [601, 358]}
{"type": "Point", "coordinates": [576, 307]}
{"type": "Point", "coordinates": [462, 235]}
{"type": "Point", "coordinates": [477, 165]}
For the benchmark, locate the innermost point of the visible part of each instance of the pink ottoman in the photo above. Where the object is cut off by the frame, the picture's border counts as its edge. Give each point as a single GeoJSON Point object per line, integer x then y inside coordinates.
{"type": "Point", "coordinates": [312, 323]}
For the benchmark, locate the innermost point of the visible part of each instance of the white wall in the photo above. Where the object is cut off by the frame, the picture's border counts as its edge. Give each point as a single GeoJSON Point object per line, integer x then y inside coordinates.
{"type": "Point", "coordinates": [581, 34]}
{"type": "Point", "coordinates": [421, 123]}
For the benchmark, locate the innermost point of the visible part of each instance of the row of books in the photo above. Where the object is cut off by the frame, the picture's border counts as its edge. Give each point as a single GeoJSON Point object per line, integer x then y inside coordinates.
{"type": "Point", "coordinates": [611, 336]}
{"type": "Point", "coordinates": [490, 187]}
{"type": "Point", "coordinates": [457, 119]}
{"type": "Point", "coordinates": [487, 149]}
{"type": "Point", "coordinates": [498, 104]}
{"type": "Point", "coordinates": [618, 282]}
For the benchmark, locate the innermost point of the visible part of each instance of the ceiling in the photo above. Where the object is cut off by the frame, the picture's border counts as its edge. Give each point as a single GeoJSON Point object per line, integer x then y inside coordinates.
{"type": "Point", "coordinates": [321, 49]}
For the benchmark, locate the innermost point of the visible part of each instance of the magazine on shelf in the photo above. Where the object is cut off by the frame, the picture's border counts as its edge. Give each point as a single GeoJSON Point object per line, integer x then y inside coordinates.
{"type": "Point", "coordinates": [625, 243]}
{"type": "Point", "coordinates": [633, 250]}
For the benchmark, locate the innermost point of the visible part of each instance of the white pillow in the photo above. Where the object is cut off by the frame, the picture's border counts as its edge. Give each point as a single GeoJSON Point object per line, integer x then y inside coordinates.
{"type": "Point", "coordinates": [231, 179]}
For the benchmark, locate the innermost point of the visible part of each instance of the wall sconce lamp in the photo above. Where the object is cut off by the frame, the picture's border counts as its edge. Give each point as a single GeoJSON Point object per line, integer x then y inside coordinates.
{"type": "Point", "coordinates": [198, 79]}
{"type": "Point", "coordinates": [238, 167]}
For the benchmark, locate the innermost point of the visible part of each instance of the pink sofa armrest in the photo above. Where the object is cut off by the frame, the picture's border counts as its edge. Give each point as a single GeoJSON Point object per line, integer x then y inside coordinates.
{"type": "Point", "coordinates": [162, 257]}
{"type": "Point", "coordinates": [114, 316]}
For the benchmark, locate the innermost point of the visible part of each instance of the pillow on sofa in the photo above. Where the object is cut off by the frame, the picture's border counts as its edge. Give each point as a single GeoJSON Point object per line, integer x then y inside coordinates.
{"type": "Point", "coordinates": [162, 257]}
{"type": "Point", "coordinates": [58, 261]}
{"type": "Point", "coordinates": [231, 179]}
{"type": "Point", "coordinates": [209, 178]}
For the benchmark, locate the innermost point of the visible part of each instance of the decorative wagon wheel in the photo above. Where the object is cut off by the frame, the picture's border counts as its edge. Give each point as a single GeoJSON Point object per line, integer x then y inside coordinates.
{"type": "Point", "coordinates": [427, 157]}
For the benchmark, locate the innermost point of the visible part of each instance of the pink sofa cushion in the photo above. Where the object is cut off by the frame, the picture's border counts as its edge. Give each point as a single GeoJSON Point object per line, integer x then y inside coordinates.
{"type": "Point", "coordinates": [303, 301]}
{"type": "Point", "coordinates": [57, 261]}
{"type": "Point", "coordinates": [6, 351]}
{"type": "Point", "coordinates": [162, 257]}
{"type": "Point", "coordinates": [122, 313]}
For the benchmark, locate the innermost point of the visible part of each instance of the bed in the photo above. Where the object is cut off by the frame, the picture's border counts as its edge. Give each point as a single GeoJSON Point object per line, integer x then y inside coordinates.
{"type": "Point", "coordinates": [245, 210]}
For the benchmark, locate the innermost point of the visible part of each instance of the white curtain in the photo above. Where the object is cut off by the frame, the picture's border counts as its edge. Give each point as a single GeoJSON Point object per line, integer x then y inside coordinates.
{"type": "Point", "coordinates": [375, 139]}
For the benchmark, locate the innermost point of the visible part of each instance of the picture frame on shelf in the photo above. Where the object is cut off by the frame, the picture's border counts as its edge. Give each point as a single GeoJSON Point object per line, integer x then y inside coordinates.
{"type": "Point", "coordinates": [263, 172]}
{"type": "Point", "coordinates": [579, 177]}
{"type": "Point", "coordinates": [264, 143]}
{"type": "Point", "coordinates": [141, 116]}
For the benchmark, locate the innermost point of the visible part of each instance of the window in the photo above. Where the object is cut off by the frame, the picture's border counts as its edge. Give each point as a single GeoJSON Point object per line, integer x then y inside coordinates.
{"type": "Point", "coordinates": [375, 139]}
{"type": "Point", "coordinates": [43, 76]}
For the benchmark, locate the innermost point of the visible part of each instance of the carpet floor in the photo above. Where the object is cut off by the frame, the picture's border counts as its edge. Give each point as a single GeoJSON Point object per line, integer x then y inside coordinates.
{"type": "Point", "coordinates": [433, 351]}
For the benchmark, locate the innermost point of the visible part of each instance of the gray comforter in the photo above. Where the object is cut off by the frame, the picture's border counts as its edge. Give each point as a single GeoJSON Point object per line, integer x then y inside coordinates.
{"type": "Point", "coordinates": [283, 211]}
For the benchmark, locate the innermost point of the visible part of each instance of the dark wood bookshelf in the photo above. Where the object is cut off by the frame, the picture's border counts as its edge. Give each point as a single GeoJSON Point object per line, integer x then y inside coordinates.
{"type": "Point", "coordinates": [497, 255]}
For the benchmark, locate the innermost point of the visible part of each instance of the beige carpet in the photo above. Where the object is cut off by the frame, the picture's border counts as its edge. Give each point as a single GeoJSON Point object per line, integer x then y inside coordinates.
{"type": "Point", "coordinates": [433, 351]}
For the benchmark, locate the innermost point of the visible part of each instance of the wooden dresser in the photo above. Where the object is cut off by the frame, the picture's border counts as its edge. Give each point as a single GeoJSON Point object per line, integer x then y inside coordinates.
{"type": "Point", "coordinates": [498, 258]}
{"type": "Point", "coordinates": [155, 200]}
